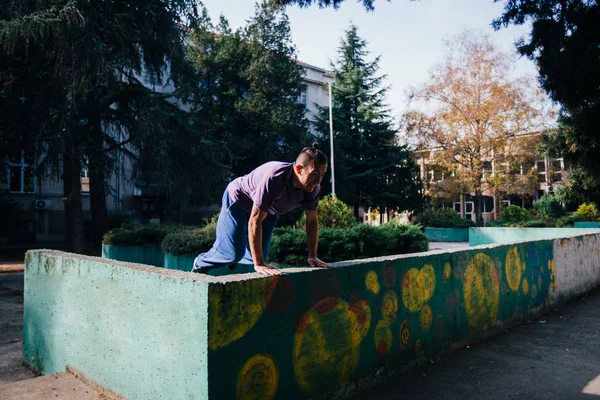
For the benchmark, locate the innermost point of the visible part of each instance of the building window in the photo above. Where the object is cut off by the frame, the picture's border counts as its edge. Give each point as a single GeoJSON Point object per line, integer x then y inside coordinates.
{"type": "Point", "coordinates": [557, 169]}
{"type": "Point", "coordinates": [540, 167]}
{"type": "Point", "coordinates": [21, 173]}
{"type": "Point", "coordinates": [303, 95]}
{"type": "Point", "coordinates": [488, 204]}
{"type": "Point", "coordinates": [435, 173]}
{"type": "Point", "coordinates": [85, 181]}
{"type": "Point", "coordinates": [487, 167]}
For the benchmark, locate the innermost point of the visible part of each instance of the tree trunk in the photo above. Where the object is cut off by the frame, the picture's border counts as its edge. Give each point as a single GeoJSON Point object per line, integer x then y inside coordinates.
{"type": "Point", "coordinates": [72, 198]}
{"type": "Point", "coordinates": [97, 170]}
{"type": "Point", "coordinates": [478, 209]}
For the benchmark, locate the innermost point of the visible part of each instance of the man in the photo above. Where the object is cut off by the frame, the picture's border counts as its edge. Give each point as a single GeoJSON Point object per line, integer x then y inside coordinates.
{"type": "Point", "coordinates": [252, 204]}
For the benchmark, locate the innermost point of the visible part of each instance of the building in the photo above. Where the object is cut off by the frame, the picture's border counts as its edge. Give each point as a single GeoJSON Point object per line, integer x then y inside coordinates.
{"type": "Point", "coordinates": [316, 91]}
{"type": "Point", "coordinates": [526, 178]}
{"type": "Point", "coordinates": [32, 210]}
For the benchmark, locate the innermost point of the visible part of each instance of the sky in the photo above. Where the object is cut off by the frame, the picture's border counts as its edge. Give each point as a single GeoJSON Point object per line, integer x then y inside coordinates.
{"type": "Point", "coordinates": [408, 35]}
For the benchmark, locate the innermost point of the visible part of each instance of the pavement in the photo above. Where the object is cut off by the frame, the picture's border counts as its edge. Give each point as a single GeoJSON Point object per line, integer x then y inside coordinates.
{"type": "Point", "coordinates": [553, 356]}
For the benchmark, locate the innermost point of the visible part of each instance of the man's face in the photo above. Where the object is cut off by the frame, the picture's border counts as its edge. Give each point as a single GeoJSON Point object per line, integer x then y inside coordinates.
{"type": "Point", "coordinates": [311, 175]}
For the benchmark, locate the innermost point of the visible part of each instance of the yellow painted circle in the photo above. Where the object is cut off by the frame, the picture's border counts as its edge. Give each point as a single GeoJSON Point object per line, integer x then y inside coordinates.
{"type": "Point", "coordinates": [447, 270]}
{"type": "Point", "coordinates": [425, 318]}
{"type": "Point", "coordinates": [327, 346]}
{"type": "Point", "coordinates": [235, 308]}
{"type": "Point", "coordinates": [525, 286]}
{"type": "Point", "coordinates": [513, 268]}
{"type": "Point", "coordinates": [405, 334]}
{"type": "Point", "coordinates": [389, 306]}
{"type": "Point", "coordinates": [481, 292]}
{"type": "Point", "coordinates": [383, 337]}
{"type": "Point", "coordinates": [418, 287]}
{"type": "Point", "coordinates": [258, 379]}
{"type": "Point", "coordinates": [371, 282]}
{"type": "Point", "coordinates": [418, 347]}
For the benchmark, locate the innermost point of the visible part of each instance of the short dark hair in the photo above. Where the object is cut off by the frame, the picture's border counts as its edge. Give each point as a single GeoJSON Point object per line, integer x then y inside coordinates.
{"type": "Point", "coordinates": [309, 154]}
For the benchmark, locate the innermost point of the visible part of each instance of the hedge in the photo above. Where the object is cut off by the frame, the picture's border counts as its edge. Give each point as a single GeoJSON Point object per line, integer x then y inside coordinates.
{"type": "Point", "coordinates": [452, 223]}
{"type": "Point", "coordinates": [190, 242]}
{"type": "Point", "coordinates": [146, 235]}
{"type": "Point", "coordinates": [444, 218]}
{"type": "Point", "coordinates": [360, 241]}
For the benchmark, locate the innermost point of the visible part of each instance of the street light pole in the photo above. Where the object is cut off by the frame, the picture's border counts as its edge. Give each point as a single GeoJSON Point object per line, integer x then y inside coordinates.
{"type": "Point", "coordinates": [331, 142]}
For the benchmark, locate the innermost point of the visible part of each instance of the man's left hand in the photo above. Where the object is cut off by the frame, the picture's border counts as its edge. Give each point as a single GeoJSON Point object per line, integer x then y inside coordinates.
{"type": "Point", "coordinates": [315, 262]}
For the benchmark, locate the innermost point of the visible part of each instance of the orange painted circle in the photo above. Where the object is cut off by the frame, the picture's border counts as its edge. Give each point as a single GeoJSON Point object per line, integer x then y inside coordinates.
{"type": "Point", "coordinates": [405, 334]}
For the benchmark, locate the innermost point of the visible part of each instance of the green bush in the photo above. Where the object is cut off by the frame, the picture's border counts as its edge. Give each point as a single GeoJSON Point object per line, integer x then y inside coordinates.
{"type": "Point", "coordinates": [431, 214]}
{"type": "Point", "coordinates": [190, 242]}
{"type": "Point", "coordinates": [497, 223]}
{"type": "Point", "coordinates": [152, 234]}
{"type": "Point", "coordinates": [333, 213]}
{"type": "Point", "coordinates": [588, 211]}
{"type": "Point", "coordinates": [514, 214]}
{"type": "Point", "coordinates": [444, 218]}
{"type": "Point", "coordinates": [117, 220]}
{"type": "Point", "coordinates": [145, 235]}
{"type": "Point", "coordinates": [452, 223]}
{"type": "Point", "coordinates": [336, 244]}
{"type": "Point", "coordinates": [549, 206]}
{"type": "Point", "coordinates": [569, 220]}
{"type": "Point", "coordinates": [538, 223]}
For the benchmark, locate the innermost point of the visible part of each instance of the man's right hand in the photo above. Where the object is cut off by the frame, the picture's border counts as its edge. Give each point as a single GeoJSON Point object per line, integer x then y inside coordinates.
{"type": "Point", "coordinates": [267, 269]}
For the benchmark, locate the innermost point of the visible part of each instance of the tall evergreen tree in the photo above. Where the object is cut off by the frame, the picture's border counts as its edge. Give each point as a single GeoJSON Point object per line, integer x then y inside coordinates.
{"type": "Point", "coordinates": [248, 88]}
{"type": "Point", "coordinates": [372, 168]}
{"type": "Point", "coordinates": [92, 55]}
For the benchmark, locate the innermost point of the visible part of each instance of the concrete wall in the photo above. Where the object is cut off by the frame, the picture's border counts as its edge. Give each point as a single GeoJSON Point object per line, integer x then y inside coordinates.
{"type": "Point", "coordinates": [447, 234]}
{"type": "Point", "coordinates": [141, 331]}
{"type": "Point", "coordinates": [148, 255]}
{"type": "Point", "coordinates": [306, 334]}
{"type": "Point", "coordinates": [587, 224]}
{"type": "Point", "coordinates": [478, 236]}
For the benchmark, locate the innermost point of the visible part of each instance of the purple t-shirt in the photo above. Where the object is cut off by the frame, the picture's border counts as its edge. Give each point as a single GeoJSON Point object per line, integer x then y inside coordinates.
{"type": "Point", "coordinates": [271, 188]}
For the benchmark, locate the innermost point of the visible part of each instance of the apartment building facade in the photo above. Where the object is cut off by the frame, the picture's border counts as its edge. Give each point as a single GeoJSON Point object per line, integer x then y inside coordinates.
{"type": "Point", "coordinates": [526, 179]}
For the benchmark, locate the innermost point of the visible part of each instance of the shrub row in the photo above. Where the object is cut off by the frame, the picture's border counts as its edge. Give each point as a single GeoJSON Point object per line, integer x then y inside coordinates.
{"type": "Point", "coordinates": [289, 245]}
{"type": "Point", "coordinates": [548, 215]}
{"type": "Point", "coordinates": [190, 242]}
{"type": "Point", "coordinates": [444, 218]}
{"type": "Point", "coordinates": [146, 235]}
{"type": "Point", "coordinates": [152, 234]}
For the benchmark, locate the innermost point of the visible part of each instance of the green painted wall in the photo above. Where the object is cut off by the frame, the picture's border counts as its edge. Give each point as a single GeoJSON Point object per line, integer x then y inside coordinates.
{"type": "Point", "coordinates": [185, 263]}
{"type": "Point", "coordinates": [149, 255]}
{"type": "Point", "coordinates": [479, 236]}
{"type": "Point", "coordinates": [310, 333]}
{"type": "Point", "coordinates": [138, 331]}
{"type": "Point", "coordinates": [152, 333]}
{"type": "Point", "coordinates": [447, 234]}
{"type": "Point", "coordinates": [589, 224]}
{"type": "Point", "coordinates": [180, 263]}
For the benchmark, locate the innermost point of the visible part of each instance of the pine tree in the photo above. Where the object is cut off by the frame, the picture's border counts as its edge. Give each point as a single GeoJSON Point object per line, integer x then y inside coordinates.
{"type": "Point", "coordinates": [248, 88]}
{"type": "Point", "coordinates": [372, 168]}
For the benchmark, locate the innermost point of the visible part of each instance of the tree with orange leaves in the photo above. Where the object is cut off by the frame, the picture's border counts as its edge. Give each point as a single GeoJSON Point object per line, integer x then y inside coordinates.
{"type": "Point", "coordinates": [478, 120]}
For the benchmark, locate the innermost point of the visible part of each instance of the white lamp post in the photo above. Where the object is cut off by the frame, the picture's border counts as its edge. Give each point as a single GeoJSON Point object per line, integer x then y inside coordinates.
{"type": "Point", "coordinates": [331, 142]}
